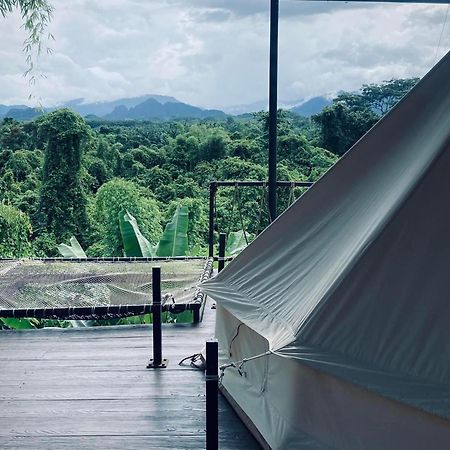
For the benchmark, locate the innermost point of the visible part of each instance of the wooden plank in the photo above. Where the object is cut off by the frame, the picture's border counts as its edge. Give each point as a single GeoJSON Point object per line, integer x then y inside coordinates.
{"type": "Point", "coordinates": [89, 388]}
{"type": "Point", "coordinates": [228, 441]}
{"type": "Point", "coordinates": [47, 407]}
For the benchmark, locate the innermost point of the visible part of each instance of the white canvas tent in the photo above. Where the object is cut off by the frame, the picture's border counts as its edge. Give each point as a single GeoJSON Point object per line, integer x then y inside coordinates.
{"type": "Point", "coordinates": [347, 296]}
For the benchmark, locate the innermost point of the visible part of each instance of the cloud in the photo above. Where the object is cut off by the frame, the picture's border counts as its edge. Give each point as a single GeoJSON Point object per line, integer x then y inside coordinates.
{"type": "Point", "coordinates": [214, 53]}
{"type": "Point", "coordinates": [288, 8]}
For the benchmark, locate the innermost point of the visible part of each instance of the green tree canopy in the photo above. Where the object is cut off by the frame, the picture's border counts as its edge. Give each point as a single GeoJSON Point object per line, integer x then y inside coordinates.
{"type": "Point", "coordinates": [62, 204]}
{"type": "Point", "coordinates": [15, 232]}
{"type": "Point", "coordinates": [341, 126]}
{"type": "Point", "coordinates": [118, 195]}
{"type": "Point", "coordinates": [352, 114]}
{"type": "Point", "coordinates": [382, 97]}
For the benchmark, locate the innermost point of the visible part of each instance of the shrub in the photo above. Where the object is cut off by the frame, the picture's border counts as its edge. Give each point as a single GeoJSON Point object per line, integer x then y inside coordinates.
{"type": "Point", "coordinates": [15, 232]}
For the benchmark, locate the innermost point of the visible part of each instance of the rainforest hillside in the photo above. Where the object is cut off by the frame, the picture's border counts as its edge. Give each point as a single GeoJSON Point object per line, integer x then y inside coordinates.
{"type": "Point", "coordinates": [63, 176]}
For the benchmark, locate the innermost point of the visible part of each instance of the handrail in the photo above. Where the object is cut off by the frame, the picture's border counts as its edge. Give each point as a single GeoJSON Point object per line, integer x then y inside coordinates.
{"type": "Point", "coordinates": [213, 185]}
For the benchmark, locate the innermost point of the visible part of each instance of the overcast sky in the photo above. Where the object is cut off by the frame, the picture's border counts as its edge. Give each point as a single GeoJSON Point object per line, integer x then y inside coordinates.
{"type": "Point", "coordinates": [214, 53]}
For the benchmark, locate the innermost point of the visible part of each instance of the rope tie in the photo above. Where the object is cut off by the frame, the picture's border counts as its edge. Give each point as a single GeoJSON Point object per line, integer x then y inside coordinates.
{"type": "Point", "coordinates": [197, 358]}
{"type": "Point", "coordinates": [239, 365]}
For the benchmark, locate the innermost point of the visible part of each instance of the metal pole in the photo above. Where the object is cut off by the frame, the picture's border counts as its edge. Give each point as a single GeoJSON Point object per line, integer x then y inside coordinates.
{"type": "Point", "coordinates": [222, 242]}
{"type": "Point", "coordinates": [196, 315]}
{"type": "Point", "coordinates": [262, 183]}
{"type": "Point", "coordinates": [157, 362]}
{"type": "Point", "coordinates": [212, 397]}
{"type": "Point", "coordinates": [273, 75]}
{"type": "Point", "coordinates": [212, 199]}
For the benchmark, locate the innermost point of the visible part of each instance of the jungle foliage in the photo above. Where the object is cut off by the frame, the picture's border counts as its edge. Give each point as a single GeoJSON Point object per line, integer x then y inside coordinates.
{"type": "Point", "coordinates": [351, 115]}
{"type": "Point", "coordinates": [61, 176]}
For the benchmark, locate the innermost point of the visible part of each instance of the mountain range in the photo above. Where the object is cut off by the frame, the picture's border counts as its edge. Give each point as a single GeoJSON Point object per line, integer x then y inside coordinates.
{"type": "Point", "coordinates": [302, 107]}
{"type": "Point", "coordinates": [156, 107]}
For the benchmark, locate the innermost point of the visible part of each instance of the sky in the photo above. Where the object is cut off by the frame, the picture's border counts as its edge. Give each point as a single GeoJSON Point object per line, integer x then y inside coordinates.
{"type": "Point", "coordinates": [214, 53]}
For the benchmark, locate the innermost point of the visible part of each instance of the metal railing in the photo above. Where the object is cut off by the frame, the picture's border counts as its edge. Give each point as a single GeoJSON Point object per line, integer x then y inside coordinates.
{"type": "Point", "coordinates": [213, 187]}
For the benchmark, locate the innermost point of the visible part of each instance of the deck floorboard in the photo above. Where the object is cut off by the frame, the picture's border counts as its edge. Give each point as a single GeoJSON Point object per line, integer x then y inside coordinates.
{"type": "Point", "coordinates": [89, 388]}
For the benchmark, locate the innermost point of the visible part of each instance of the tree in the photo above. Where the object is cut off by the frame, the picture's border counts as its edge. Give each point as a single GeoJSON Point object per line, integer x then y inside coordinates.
{"type": "Point", "coordinates": [12, 134]}
{"type": "Point", "coordinates": [243, 148]}
{"type": "Point", "coordinates": [117, 195]}
{"type": "Point", "coordinates": [352, 114]}
{"type": "Point", "coordinates": [183, 151]}
{"type": "Point", "coordinates": [382, 97]}
{"type": "Point", "coordinates": [310, 162]}
{"type": "Point", "coordinates": [215, 146]}
{"type": "Point", "coordinates": [62, 204]}
{"type": "Point", "coordinates": [15, 232]}
{"type": "Point", "coordinates": [341, 126]}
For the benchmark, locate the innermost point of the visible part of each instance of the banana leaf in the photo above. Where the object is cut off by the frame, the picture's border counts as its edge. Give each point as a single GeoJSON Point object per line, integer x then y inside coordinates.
{"type": "Point", "coordinates": [134, 243]}
{"type": "Point", "coordinates": [73, 250]}
{"type": "Point", "coordinates": [236, 242]}
{"type": "Point", "coordinates": [174, 241]}
{"type": "Point", "coordinates": [82, 323]}
{"type": "Point", "coordinates": [19, 324]}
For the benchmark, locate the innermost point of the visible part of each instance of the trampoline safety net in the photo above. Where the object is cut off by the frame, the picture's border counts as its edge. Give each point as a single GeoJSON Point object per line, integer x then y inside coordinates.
{"type": "Point", "coordinates": [75, 289]}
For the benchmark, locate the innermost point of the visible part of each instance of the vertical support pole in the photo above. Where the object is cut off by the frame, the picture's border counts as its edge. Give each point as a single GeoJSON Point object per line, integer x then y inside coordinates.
{"type": "Point", "coordinates": [212, 397]}
{"type": "Point", "coordinates": [157, 362]}
{"type": "Point", "coordinates": [222, 242]}
{"type": "Point", "coordinates": [196, 315]}
{"type": "Point", "coordinates": [212, 201]}
{"type": "Point", "coordinates": [273, 104]}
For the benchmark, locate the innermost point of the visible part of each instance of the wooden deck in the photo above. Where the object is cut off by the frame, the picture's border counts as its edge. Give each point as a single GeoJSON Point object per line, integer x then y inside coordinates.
{"type": "Point", "coordinates": [89, 388]}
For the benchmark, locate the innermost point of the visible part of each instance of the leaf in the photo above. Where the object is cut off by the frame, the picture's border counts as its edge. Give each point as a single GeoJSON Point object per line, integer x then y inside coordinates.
{"type": "Point", "coordinates": [174, 241]}
{"type": "Point", "coordinates": [20, 324]}
{"type": "Point", "coordinates": [83, 323]}
{"type": "Point", "coordinates": [236, 242]}
{"type": "Point", "coordinates": [73, 250]}
{"type": "Point", "coordinates": [134, 243]}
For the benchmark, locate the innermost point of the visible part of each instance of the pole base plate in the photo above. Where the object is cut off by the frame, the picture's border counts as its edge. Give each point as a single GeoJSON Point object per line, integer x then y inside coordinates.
{"type": "Point", "coordinates": [163, 365]}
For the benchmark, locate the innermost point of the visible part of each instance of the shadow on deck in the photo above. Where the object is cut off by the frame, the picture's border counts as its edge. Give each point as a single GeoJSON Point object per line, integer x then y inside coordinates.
{"type": "Point", "coordinates": [89, 388]}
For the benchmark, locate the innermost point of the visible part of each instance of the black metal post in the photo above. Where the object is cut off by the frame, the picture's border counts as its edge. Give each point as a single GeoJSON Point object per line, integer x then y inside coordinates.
{"type": "Point", "coordinates": [262, 183]}
{"type": "Point", "coordinates": [222, 242]}
{"type": "Point", "coordinates": [212, 397]}
{"type": "Point", "coordinates": [196, 315]}
{"type": "Point", "coordinates": [273, 105]}
{"type": "Point", "coordinates": [213, 187]}
{"type": "Point", "coordinates": [157, 362]}
{"type": "Point", "coordinates": [104, 312]}
{"type": "Point", "coordinates": [212, 200]}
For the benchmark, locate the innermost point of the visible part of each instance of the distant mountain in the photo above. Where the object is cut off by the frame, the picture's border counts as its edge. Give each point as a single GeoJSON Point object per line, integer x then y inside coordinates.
{"type": "Point", "coordinates": [153, 109]}
{"type": "Point", "coordinates": [145, 107]}
{"type": "Point", "coordinates": [5, 108]}
{"type": "Point", "coordinates": [311, 106]}
{"type": "Point", "coordinates": [237, 110]}
{"type": "Point", "coordinates": [101, 109]}
{"type": "Point", "coordinates": [301, 107]}
{"type": "Point", "coordinates": [20, 112]}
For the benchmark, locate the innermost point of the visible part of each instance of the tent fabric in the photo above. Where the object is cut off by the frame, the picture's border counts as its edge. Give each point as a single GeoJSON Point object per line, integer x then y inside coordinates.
{"type": "Point", "coordinates": [354, 278]}
{"type": "Point", "coordinates": [295, 406]}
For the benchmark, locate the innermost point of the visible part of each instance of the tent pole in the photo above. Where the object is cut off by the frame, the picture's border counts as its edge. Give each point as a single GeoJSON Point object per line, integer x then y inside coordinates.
{"type": "Point", "coordinates": [273, 74]}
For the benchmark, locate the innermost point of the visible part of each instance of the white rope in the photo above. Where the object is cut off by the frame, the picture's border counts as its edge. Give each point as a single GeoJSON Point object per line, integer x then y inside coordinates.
{"type": "Point", "coordinates": [240, 364]}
